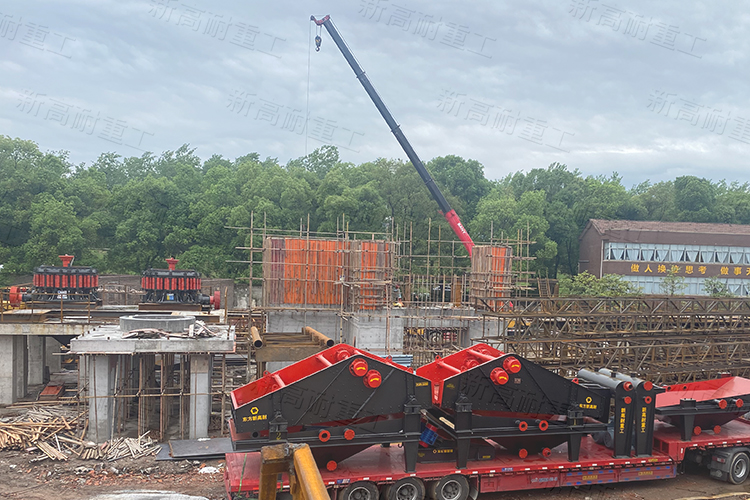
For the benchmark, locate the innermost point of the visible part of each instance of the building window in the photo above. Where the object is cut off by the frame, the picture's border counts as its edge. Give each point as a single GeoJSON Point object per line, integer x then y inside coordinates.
{"type": "Point", "coordinates": [656, 252]}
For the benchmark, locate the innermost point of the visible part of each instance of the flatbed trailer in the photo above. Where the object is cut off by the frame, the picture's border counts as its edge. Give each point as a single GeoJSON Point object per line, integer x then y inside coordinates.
{"type": "Point", "coordinates": [381, 467]}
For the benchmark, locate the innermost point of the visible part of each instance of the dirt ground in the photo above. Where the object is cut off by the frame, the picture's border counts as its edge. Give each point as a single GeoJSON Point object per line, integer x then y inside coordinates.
{"type": "Point", "coordinates": [82, 479]}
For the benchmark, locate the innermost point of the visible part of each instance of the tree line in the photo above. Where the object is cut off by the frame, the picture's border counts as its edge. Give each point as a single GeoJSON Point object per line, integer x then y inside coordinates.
{"type": "Point", "coordinates": [126, 214]}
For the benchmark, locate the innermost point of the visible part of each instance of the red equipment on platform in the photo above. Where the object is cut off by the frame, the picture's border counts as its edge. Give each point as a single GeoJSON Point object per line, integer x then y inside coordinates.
{"type": "Point", "coordinates": [173, 286]}
{"type": "Point", "coordinates": [703, 405]}
{"type": "Point", "coordinates": [66, 283]}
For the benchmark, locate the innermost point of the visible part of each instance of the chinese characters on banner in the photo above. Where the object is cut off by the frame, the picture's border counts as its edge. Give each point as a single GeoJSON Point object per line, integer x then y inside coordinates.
{"type": "Point", "coordinates": [690, 269]}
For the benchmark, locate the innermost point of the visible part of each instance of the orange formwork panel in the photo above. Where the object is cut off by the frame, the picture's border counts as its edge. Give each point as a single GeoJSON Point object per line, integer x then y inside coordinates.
{"type": "Point", "coordinates": [309, 272]}
{"type": "Point", "coordinates": [371, 266]}
{"type": "Point", "coordinates": [299, 271]}
{"type": "Point", "coordinates": [490, 274]}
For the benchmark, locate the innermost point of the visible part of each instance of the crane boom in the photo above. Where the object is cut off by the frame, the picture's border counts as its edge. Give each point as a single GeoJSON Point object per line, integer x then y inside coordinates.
{"type": "Point", "coordinates": [450, 215]}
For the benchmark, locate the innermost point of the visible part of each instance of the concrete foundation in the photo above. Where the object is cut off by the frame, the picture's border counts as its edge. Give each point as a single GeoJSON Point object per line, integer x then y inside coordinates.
{"type": "Point", "coordinates": [168, 323]}
{"type": "Point", "coordinates": [13, 368]}
{"type": "Point", "coordinates": [37, 354]}
{"type": "Point", "coordinates": [376, 334]}
{"type": "Point", "coordinates": [200, 398]}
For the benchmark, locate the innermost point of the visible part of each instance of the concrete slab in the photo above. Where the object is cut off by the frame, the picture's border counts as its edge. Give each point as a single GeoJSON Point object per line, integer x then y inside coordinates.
{"type": "Point", "coordinates": [107, 339]}
{"type": "Point", "coordinates": [64, 329]}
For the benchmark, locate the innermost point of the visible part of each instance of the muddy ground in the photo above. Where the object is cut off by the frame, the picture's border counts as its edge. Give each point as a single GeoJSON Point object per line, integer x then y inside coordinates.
{"type": "Point", "coordinates": [82, 479]}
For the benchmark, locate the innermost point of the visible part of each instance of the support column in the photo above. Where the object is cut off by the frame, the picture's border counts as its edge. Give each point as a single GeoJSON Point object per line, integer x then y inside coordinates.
{"type": "Point", "coordinates": [200, 398]}
{"type": "Point", "coordinates": [13, 374]}
{"type": "Point", "coordinates": [101, 386]}
{"type": "Point", "coordinates": [52, 354]}
{"type": "Point", "coordinates": [35, 345]}
{"type": "Point", "coordinates": [21, 362]}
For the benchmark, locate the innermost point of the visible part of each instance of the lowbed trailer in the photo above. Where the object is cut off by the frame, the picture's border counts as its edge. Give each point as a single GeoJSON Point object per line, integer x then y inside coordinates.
{"type": "Point", "coordinates": [488, 422]}
{"type": "Point", "coordinates": [384, 466]}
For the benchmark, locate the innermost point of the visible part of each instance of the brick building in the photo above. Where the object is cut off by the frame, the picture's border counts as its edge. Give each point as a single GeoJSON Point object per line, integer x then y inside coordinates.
{"type": "Point", "coordinates": [643, 251]}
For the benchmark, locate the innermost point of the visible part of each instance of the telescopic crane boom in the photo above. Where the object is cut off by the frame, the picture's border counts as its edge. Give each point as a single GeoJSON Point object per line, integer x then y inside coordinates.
{"type": "Point", "coordinates": [450, 215]}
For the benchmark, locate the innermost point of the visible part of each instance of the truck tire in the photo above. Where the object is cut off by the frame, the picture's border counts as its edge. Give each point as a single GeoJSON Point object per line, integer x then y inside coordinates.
{"type": "Point", "coordinates": [408, 488]}
{"type": "Point", "coordinates": [361, 490]}
{"type": "Point", "coordinates": [453, 487]}
{"type": "Point", "coordinates": [739, 468]}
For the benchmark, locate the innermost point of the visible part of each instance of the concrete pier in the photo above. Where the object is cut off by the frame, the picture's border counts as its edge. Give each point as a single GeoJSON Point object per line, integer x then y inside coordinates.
{"type": "Point", "coordinates": [101, 371]}
{"type": "Point", "coordinates": [37, 354]}
{"type": "Point", "coordinates": [52, 356]}
{"type": "Point", "coordinates": [200, 397]}
{"type": "Point", "coordinates": [13, 368]}
{"type": "Point", "coordinates": [102, 348]}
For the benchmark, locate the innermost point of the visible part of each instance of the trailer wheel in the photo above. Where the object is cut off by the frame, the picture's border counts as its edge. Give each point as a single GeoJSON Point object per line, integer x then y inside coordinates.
{"type": "Point", "coordinates": [408, 488]}
{"type": "Point", "coordinates": [361, 490]}
{"type": "Point", "coordinates": [453, 487]}
{"type": "Point", "coordinates": [739, 468]}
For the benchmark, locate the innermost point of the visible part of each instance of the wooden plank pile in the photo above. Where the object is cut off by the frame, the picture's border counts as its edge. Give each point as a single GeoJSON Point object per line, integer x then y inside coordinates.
{"type": "Point", "coordinates": [121, 448]}
{"type": "Point", "coordinates": [59, 433]}
{"type": "Point", "coordinates": [44, 428]}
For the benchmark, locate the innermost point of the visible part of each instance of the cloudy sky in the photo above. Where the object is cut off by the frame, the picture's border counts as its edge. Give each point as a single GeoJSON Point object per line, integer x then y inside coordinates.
{"type": "Point", "coordinates": [649, 90]}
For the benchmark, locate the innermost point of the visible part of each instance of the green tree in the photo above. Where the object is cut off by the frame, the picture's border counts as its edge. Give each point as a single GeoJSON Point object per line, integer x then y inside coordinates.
{"type": "Point", "coordinates": [716, 288]}
{"type": "Point", "coordinates": [461, 178]}
{"type": "Point", "coordinates": [672, 283]}
{"type": "Point", "coordinates": [586, 284]}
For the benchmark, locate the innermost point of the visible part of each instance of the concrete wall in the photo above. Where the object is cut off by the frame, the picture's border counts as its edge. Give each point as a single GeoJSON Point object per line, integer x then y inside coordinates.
{"type": "Point", "coordinates": [326, 322]}
{"type": "Point", "coordinates": [369, 331]}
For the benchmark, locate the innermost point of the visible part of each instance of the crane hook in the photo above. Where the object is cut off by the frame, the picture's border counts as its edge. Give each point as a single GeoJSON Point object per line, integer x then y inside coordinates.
{"type": "Point", "coordinates": [318, 40]}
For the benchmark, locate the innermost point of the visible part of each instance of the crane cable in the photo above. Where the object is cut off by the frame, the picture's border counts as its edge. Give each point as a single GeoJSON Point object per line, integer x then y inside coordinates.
{"type": "Point", "coordinates": [307, 105]}
{"type": "Point", "coordinates": [318, 40]}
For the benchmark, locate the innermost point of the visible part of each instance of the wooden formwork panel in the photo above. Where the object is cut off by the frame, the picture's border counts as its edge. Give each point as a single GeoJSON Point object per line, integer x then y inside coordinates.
{"type": "Point", "coordinates": [490, 274]}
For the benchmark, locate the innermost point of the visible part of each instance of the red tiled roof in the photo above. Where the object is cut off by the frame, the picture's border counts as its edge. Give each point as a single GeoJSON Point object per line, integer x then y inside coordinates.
{"type": "Point", "coordinates": [603, 226]}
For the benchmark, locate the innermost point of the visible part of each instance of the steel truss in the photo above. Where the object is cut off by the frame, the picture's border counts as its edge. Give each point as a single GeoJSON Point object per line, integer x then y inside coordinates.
{"type": "Point", "coordinates": [663, 339]}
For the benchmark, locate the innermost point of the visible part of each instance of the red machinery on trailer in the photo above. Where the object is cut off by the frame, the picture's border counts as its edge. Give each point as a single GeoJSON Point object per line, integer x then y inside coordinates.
{"type": "Point", "coordinates": [482, 421]}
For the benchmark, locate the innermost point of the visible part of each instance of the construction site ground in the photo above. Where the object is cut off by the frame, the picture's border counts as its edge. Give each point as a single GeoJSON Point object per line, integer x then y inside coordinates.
{"type": "Point", "coordinates": [82, 479]}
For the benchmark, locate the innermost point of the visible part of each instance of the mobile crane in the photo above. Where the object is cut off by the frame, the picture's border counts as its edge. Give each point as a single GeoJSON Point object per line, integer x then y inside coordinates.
{"type": "Point", "coordinates": [450, 214]}
{"type": "Point", "coordinates": [479, 420]}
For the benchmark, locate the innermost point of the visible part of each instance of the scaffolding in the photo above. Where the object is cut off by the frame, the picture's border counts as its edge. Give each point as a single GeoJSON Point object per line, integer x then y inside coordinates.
{"type": "Point", "coordinates": [431, 284]}
{"type": "Point", "coordinates": [312, 270]}
{"type": "Point", "coordinates": [151, 394]}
